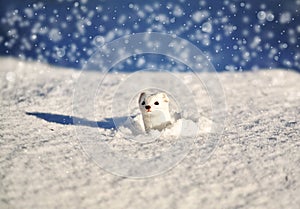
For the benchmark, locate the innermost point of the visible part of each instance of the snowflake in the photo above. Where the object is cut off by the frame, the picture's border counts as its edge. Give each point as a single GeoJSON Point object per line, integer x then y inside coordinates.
{"type": "Point", "coordinates": [236, 34]}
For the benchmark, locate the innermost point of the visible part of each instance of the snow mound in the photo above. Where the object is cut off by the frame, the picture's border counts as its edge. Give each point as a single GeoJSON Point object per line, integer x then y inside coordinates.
{"type": "Point", "coordinates": [181, 127]}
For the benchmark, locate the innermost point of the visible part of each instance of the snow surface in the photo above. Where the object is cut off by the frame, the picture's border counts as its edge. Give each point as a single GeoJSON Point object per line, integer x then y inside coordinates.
{"type": "Point", "coordinates": [255, 163]}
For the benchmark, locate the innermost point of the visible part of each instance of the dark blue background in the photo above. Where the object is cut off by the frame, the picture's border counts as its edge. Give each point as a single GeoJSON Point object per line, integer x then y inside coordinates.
{"type": "Point", "coordinates": [245, 35]}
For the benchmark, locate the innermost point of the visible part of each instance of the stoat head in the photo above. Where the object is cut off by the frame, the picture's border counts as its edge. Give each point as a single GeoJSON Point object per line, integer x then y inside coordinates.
{"type": "Point", "coordinates": [153, 103]}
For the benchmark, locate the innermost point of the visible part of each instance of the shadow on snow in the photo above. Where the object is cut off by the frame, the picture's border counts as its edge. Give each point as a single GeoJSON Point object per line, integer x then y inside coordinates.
{"type": "Point", "coordinates": [106, 123]}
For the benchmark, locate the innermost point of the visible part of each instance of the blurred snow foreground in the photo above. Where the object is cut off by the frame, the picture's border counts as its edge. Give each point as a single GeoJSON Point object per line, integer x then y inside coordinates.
{"type": "Point", "coordinates": [253, 161]}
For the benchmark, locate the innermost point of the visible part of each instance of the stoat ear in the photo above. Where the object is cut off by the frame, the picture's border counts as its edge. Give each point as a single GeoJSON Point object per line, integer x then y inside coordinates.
{"type": "Point", "coordinates": [141, 96]}
{"type": "Point", "coordinates": [165, 97]}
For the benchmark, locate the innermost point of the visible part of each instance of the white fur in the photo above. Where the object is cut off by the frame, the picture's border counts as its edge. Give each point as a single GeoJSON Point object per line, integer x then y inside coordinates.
{"type": "Point", "coordinates": [158, 115]}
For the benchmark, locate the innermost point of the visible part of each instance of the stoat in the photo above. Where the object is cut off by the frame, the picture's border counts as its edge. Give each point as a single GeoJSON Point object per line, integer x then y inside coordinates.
{"type": "Point", "coordinates": [155, 111]}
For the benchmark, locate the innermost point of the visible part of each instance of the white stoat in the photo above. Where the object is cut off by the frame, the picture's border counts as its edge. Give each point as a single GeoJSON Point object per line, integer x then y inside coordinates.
{"type": "Point", "coordinates": [155, 111]}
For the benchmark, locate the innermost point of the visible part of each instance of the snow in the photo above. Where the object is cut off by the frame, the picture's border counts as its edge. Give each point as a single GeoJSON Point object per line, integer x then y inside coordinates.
{"type": "Point", "coordinates": [177, 11]}
{"type": "Point", "coordinates": [261, 15]}
{"type": "Point", "coordinates": [270, 17]}
{"type": "Point", "coordinates": [285, 18]}
{"type": "Point", "coordinates": [199, 16]}
{"type": "Point", "coordinates": [45, 162]}
{"type": "Point", "coordinates": [207, 27]}
{"type": "Point", "coordinates": [66, 135]}
{"type": "Point", "coordinates": [196, 21]}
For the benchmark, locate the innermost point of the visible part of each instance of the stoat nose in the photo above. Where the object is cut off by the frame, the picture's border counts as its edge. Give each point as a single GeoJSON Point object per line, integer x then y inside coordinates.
{"type": "Point", "coordinates": [148, 107]}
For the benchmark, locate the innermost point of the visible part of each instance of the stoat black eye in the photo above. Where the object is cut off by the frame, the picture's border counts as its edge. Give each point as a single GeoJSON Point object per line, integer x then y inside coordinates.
{"type": "Point", "coordinates": [156, 103]}
{"type": "Point", "coordinates": [143, 103]}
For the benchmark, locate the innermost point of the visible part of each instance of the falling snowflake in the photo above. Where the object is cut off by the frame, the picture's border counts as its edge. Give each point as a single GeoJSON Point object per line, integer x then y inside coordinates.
{"type": "Point", "coordinates": [236, 34]}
